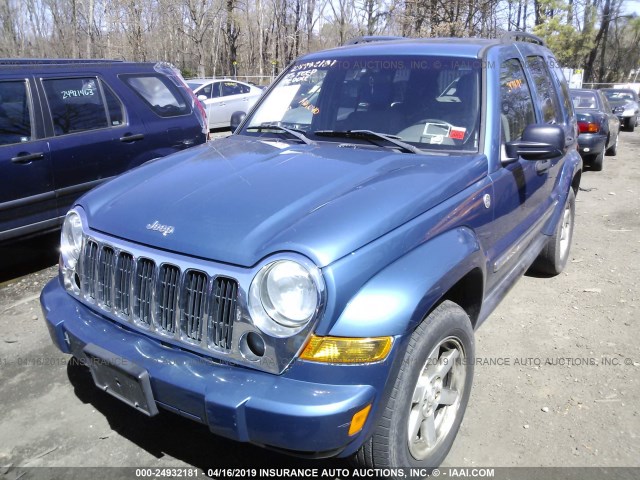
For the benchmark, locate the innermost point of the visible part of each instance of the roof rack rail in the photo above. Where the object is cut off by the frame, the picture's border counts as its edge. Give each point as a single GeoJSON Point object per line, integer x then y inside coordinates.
{"type": "Point", "coordinates": [371, 38]}
{"type": "Point", "coordinates": [522, 36]}
{"type": "Point", "coordinates": [54, 61]}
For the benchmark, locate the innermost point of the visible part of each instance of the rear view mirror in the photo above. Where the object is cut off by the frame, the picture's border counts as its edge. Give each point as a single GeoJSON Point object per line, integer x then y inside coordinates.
{"type": "Point", "coordinates": [539, 142]}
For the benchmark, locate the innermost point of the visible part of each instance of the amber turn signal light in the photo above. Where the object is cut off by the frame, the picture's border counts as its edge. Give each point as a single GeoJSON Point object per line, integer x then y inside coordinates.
{"type": "Point", "coordinates": [346, 349]}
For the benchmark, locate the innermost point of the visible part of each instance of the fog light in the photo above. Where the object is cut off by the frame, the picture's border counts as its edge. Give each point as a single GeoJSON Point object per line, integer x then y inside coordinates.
{"type": "Point", "coordinates": [357, 422]}
{"type": "Point", "coordinates": [346, 350]}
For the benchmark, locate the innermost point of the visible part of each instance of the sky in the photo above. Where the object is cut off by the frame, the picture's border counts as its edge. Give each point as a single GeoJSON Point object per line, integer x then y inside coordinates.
{"type": "Point", "coordinates": [632, 6]}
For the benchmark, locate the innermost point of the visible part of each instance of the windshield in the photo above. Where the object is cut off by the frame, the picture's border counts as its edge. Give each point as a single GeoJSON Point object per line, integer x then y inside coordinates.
{"type": "Point", "coordinates": [428, 102]}
{"type": "Point", "coordinates": [619, 96]}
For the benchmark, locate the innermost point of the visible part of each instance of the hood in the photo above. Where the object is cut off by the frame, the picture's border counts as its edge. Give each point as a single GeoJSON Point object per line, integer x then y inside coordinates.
{"type": "Point", "coordinates": [239, 199]}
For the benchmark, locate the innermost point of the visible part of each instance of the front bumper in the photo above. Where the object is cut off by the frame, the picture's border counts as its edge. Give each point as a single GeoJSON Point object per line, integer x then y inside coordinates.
{"type": "Point", "coordinates": [591, 143]}
{"type": "Point", "coordinates": [246, 405]}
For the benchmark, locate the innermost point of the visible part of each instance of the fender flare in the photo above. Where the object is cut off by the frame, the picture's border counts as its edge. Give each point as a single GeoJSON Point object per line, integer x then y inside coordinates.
{"type": "Point", "coordinates": [397, 298]}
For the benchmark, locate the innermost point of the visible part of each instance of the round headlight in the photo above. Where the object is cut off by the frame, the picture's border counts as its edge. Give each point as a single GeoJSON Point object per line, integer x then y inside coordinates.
{"type": "Point", "coordinates": [283, 298]}
{"type": "Point", "coordinates": [71, 239]}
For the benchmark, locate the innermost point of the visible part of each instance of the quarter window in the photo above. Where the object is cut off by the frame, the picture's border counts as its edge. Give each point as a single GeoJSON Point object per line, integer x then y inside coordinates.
{"type": "Point", "coordinates": [77, 105]}
{"type": "Point", "coordinates": [547, 100]}
{"type": "Point", "coordinates": [15, 113]}
{"type": "Point", "coordinates": [161, 95]}
{"type": "Point", "coordinates": [516, 102]}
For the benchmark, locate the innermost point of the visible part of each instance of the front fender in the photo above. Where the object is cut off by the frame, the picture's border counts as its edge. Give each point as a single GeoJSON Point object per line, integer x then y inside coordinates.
{"type": "Point", "coordinates": [398, 297]}
{"type": "Point", "coordinates": [571, 167]}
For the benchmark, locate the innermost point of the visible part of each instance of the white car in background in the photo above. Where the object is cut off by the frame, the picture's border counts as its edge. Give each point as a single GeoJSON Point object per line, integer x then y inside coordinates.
{"type": "Point", "coordinates": [222, 97]}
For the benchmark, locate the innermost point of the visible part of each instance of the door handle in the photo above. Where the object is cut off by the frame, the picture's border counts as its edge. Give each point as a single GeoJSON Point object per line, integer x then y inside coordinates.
{"type": "Point", "coordinates": [132, 138]}
{"type": "Point", "coordinates": [542, 166]}
{"type": "Point", "coordinates": [27, 157]}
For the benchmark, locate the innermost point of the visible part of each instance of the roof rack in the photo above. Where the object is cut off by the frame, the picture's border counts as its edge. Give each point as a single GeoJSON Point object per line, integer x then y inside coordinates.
{"type": "Point", "coordinates": [371, 38]}
{"type": "Point", "coordinates": [522, 36]}
{"type": "Point", "coordinates": [53, 61]}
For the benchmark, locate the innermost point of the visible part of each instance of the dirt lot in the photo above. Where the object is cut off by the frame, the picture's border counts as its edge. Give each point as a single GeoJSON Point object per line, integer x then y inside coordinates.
{"type": "Point", "coordinates": [557, 380]}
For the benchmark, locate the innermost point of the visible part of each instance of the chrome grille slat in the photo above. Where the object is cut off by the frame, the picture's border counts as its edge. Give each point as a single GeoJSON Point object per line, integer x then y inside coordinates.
{"type": "Point", "coordinates": [123, 281]}
{"type": "Point", "coordinates": [167, 298]}
{"type": "Point", "coordinates": [106, 268]}
{"type": "Point", "coordinates": [193, 311]}
{"type": "Point", "coordinates": [90, 266]}
{"type": "Point", "coordinates": [143, 290]}
{"type": "Point", "coordinates": [224, 302]}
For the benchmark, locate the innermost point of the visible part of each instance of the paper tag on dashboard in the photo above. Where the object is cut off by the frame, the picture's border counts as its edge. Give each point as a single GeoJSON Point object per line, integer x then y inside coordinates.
{"type": "Point", "coordinates": [457, 133]}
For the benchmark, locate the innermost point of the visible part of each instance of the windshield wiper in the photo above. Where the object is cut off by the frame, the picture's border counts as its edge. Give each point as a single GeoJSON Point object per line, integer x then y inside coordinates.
{"type": "Point", "coordinates": [371, 136]}
{"type": "Point", "coordinates": [274, 126]}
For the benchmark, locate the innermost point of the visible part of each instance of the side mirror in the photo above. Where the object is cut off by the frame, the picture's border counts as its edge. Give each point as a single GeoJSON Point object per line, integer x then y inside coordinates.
{"type": "Point", "coordinates": [236, 119]}
{"type": "Point", "coordinates": [202, 98]}
{"type": "Point", "coordinates": [539, 142]}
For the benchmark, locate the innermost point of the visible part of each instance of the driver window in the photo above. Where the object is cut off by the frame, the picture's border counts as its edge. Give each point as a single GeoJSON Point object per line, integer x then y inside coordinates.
{"type": "Point", "coordinates": [515, 99]}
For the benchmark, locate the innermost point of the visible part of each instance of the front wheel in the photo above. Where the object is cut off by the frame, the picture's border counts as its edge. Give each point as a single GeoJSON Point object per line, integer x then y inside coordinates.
{"type": "Point", "coordinates": [429, 397]}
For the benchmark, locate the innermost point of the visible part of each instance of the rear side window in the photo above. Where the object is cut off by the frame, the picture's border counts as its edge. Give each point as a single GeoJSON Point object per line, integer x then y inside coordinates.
{"type": "Point", "coordinates": [233, 88]}
{"type": "Point", "coordinates": [15, 113]}
{"type": "Point", "coordinates": [517, 105]}
{"type": "Point", "coordinates": [547, 99]}
{"type": "Point", "coordinates": [162, 96]}
{"type": "Point", "coordinates": [80, 104]}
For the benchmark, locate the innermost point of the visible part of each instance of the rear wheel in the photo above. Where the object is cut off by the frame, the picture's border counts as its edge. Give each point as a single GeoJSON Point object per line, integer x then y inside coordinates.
{"type": "Point", "coordinates": [597, 162]}
{"type": "Point", "coordinates": [613, 149]}
{"type": "Point", "coordinates": [555, 254]}
{"type": "Point", "coordinates": [429, 397]}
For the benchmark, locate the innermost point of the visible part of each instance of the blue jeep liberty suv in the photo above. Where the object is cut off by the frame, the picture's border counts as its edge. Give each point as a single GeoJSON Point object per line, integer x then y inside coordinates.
{"type": "Point", "coordinates": [312, 282]}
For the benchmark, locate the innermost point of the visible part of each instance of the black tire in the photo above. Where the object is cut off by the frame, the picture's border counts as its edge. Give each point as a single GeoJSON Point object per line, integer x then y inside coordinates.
{"type": "Point", "coordinates": [631, 125]}
{"type": "Point", "coordinates": [553, 257]}
{"type": "Point", "coordinates": [445, 331]}
{"type": "Point", "coordinates": [613, 149]}
{"type": "Point", "coordinates": [597, 162]}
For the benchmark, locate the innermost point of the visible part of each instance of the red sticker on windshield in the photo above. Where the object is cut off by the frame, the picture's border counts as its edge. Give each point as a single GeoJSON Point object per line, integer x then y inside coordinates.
{"type": "Point", "coordinates": [457, 133]}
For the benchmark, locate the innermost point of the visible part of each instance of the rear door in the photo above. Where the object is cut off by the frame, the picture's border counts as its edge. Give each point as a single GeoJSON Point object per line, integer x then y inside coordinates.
{"type": "Point", "coordinates": [237, 97]}
{"type": "Point", "coordinates": [27, 198]}
{"type": "Point", "coordinates": [92, 137]}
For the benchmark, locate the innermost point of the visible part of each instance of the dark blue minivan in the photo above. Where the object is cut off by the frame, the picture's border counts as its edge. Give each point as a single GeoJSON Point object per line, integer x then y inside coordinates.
{"type": "Point", "coordinates": [312, 283]}
{"type": "Point", "coordinates": [69, 125]}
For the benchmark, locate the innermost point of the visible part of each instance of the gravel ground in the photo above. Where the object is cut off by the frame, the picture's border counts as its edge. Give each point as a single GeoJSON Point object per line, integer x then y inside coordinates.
{"type": "Point", "coordinates": [556, 382]}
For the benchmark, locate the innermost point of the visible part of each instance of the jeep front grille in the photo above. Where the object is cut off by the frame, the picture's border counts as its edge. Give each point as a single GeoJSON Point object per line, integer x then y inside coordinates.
{"type": "Point", "coordinates": [188, 305]}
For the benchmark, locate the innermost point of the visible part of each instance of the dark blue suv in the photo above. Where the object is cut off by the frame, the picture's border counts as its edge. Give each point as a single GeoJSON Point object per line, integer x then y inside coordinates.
{"type": "Point", "coordinates": [69, 125]}
{"type": "Point", "coordinates": [312, 282]}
